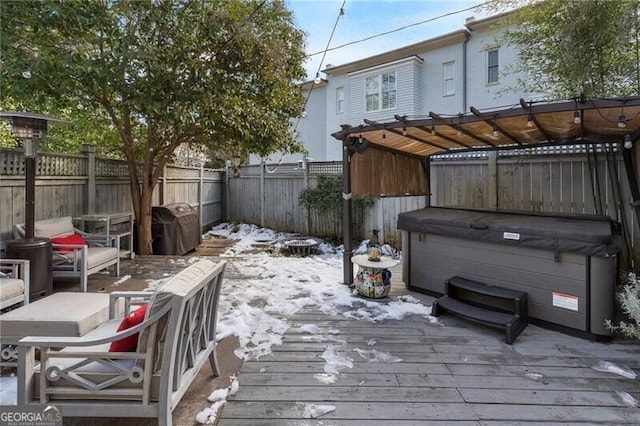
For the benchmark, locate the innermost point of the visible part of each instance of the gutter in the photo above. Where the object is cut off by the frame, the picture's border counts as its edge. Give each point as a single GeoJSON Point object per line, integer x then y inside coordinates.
{"type": "Point", "coordinates": [467, 36]}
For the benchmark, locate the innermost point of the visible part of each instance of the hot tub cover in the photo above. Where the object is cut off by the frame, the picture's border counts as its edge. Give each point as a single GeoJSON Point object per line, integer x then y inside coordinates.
{"type": "Point", "coordinates": [584, 234]}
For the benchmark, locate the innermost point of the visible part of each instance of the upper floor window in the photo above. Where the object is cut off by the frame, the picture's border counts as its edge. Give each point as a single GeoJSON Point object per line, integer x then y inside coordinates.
{"type": "Point", "coordinates": [339, 100]}
{"type": "Point", "coordinates": [448, 79]}
{"type": "Point", "coordinates": [492, 66]}
{"type": "Point", "coordinates": [380, 91]}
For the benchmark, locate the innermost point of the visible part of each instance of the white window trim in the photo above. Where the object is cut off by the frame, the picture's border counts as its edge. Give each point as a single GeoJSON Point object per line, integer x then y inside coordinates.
{"type": "Point", "coordinates": [452, 78]}
{"type": "Point", "coordinates": [381, 91]}
{"type": "Point", "coordinates": [486, 68]}
{"type": "Point", "coordinates": [340, 106]}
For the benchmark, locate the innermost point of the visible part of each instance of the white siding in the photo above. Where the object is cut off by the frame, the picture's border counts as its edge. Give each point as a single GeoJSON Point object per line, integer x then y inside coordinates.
{"type": "Point", "coordinates": [419, 90]}
{"type": "Point", "coordinates": [332, 146]}
{"type": "Point", "coordinates": [432, 78]}
{"type": "Point", "coordinates": [408, 91]}
{"type": "Point", "coordinates": [479, 93]}
{"type": "Point", "coordinates": [311, 130]}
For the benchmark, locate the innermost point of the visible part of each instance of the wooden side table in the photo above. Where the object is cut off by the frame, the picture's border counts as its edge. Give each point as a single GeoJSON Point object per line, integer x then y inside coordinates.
{"type": "Point", "coordinates": [373, 279]}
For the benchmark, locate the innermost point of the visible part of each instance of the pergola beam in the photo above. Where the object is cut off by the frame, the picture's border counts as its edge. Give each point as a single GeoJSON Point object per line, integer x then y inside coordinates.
{"type": "Point", "coordinates": [458, 127]}
{"type": "Point", "coordinates": [440, 135]}
{"type": "Point", "coordinates": [415, 138]}
{"type": "Point", "coordinates": [495, 126]}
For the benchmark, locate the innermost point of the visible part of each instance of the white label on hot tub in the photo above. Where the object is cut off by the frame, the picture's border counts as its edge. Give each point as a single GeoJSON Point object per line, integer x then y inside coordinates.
{"type": "Point", "coordinates": [565, 301]}
{"type": "Point", "coordinates": [510, 236]}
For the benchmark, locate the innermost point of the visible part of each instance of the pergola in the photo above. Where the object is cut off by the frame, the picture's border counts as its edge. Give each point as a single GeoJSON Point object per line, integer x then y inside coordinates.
{"type": "Point", "coordinates": [405, 144]}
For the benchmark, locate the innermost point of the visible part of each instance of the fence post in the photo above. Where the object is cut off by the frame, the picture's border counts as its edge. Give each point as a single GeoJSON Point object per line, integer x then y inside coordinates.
{"type": "Point", "coordinates": [90, 152]}
{"type": "Point", "coordinates": [380, 226]}
{"type": "Point", "coordinates": [201, 195]}
{"type": "Point", "coordinates": [262, 194]}
{"type": "Point", "coordinates": [305, 171]}
{"type": "Point", "coordinates": [227, 190]}
{"type": "Point", "coordinates": [163, 186]}
{"type": "Point", "coordinates": [493, 179]}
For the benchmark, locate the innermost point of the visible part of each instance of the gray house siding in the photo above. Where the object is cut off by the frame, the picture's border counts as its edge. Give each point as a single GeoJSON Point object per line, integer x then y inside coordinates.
{"type": "Point", "coordinates": [419, 85]}
{"type": "Point", "coordinates": [408, 91]}
{"type": "Point", "coordinates": [433, 78]}
{"type": "Point", "coordinates": [503, 93]}
{"type": "Point", "coordinates": [333, 147]}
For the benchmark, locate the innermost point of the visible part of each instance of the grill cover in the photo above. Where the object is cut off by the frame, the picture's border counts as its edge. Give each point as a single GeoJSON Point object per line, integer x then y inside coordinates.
{"type": "Point", "coordinates": [175, 229]}
{"type": "Point", "coordinates": [584, 234]}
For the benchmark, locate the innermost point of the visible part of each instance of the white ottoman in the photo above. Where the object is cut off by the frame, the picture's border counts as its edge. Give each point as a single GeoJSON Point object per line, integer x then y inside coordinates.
{"type": "Point", "coordinates": [60, 314]}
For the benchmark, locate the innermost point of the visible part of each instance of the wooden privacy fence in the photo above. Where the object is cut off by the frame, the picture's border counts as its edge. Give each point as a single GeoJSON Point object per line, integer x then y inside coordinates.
{"type": "Point", "coordinates": [543, 180]}
{"type": "Point", "coordinates": [559, 183]}
{"type": "Point", "coordinates": [552, 180]}
{"type": "Point", "coordinates": [73, 185]}
{"type": "Point", "coordinates": [268, 195]}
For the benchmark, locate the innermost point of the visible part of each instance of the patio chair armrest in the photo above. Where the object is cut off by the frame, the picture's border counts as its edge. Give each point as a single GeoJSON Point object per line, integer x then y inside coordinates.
{"type": "Point", "coordinates": [65, 341]}
{"type": "Point", "coordinates": [129, 297]}
{"type": "Point", "coordinates": [16, 268]}
{"type": "Point", "coordinates": [68, 253]}
{"type": "Point", "coordinates": [98, 240]}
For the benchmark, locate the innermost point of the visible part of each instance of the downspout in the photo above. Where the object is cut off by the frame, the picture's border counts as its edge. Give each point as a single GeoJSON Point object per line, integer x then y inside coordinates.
{"type": "Point", "coordinates": [467, 36]}
{"type": "Point", "coordinates": [347, 215]}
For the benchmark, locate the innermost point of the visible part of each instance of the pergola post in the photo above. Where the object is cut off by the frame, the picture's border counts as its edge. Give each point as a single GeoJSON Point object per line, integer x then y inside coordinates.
{"type": "Point", "coordinates": [347, 214]}
{"type": "Point", "coordinates": [632, 176]}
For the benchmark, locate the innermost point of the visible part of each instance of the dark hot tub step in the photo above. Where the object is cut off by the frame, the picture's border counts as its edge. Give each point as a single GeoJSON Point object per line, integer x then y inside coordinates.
{"type": "Point", "coordinates": [485, 303]}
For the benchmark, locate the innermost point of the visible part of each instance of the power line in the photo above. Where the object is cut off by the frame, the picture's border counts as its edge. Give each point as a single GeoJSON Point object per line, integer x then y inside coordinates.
{"type": "Point", "coordinates": [306, 100]}
{"type": "Point", "coordinates": [326, 49]}
{"type": "Point", "coordinates": [335, 25]}
{"type": "Point", "coordinates": [324, 52]}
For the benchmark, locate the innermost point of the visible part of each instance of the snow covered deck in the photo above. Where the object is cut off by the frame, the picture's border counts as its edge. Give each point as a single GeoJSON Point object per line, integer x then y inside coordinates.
{"type": "Point", "coordinates": [315, 354]}
{"type": "Point", "coordinates": [337, 369]}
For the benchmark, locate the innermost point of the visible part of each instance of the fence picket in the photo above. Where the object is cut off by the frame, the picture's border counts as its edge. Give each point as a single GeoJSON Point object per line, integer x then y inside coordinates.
{"type": "Point", "coordinates": [550, 183]}
{"type": "Point", "coordinates": [62, 182]}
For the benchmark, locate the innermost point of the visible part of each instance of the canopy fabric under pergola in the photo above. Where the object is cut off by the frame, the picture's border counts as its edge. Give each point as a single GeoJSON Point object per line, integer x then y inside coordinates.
{"type": "Point", "coordinates": [523, 125]}
{"type": "Point", "coordinates": [408, 143]}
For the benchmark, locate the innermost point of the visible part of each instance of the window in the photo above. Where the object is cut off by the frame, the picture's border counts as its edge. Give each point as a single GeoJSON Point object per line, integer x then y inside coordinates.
{"type": "Point", "coordinates": [492, 66]}
{"type": "Point", "coordinates": [448, 81]}
{"type": "Point", "coordinates": [339, 100]}
{"type": "Point", "coordinates": [380, 91]}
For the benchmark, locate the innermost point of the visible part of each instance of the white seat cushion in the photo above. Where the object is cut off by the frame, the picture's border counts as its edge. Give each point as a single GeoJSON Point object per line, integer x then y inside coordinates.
{"type": "Point", "coordinates": [10, 288]}
{"type": "Point", "coordinates": [100, 255]}
{"type": "Point", "coordinates": [61, 314]}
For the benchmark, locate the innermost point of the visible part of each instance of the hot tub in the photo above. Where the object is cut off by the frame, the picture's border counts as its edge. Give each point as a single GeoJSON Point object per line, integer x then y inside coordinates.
{"type": "Point", "coordinates": [567, 264]}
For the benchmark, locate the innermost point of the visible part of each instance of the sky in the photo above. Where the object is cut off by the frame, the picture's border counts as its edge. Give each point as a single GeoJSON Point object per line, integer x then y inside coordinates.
{"type": "Point", "coordinates": [368, 18]}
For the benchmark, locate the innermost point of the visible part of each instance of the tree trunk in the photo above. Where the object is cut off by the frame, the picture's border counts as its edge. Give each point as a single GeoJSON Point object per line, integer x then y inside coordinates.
{"type": "Point", "coordinates": [144, 220]}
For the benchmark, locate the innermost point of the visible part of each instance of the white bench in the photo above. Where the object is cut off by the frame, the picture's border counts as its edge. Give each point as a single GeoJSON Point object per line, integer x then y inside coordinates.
{"type": "Point", "coordinates": [60, 314]}
{"type": "Point", "coordinates": [80, 375]}
{"type": "Point", "coordinates": [76, 260]}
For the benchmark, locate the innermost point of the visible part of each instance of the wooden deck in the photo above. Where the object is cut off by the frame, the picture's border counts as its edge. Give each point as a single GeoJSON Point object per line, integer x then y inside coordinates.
{"type": "Point", "coordinates": [453, 372]}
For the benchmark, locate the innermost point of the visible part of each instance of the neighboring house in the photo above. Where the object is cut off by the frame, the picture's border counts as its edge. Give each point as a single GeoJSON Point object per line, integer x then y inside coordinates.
{"type": "Point", "coordinates": [446, 74]}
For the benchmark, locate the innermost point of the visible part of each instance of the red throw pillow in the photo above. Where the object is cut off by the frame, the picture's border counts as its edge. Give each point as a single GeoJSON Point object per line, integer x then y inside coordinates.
{"type": "Point", "coordinates": [69, 239]}
{"type": "Point", "coordinates": [129, 344]}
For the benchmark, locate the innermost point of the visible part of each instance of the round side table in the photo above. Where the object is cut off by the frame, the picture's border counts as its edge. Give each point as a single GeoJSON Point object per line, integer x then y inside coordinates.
{"type": "Point", "coordinates": [373, 279]}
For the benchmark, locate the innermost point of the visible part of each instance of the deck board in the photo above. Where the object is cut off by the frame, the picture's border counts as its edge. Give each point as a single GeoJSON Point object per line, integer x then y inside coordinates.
{"type": "Point", "coordinates": [451, 371]}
